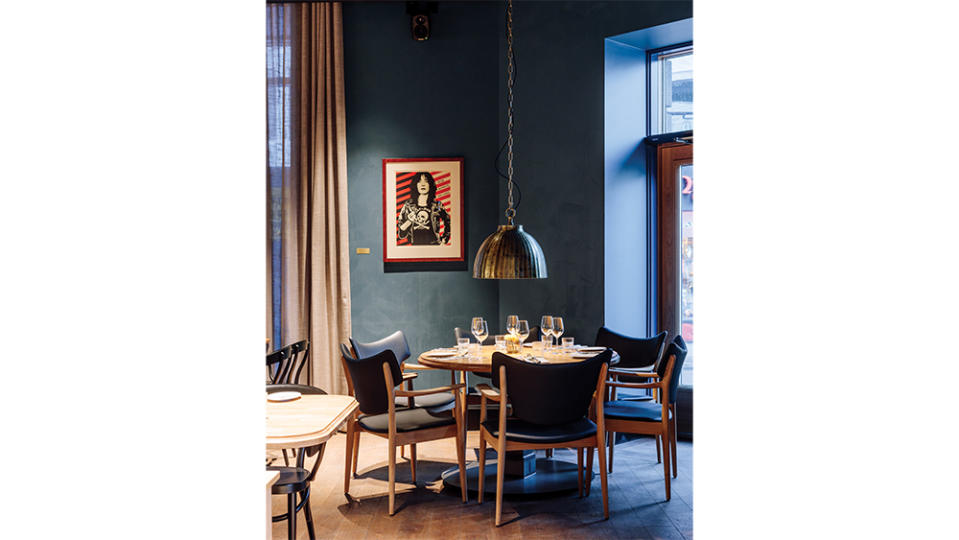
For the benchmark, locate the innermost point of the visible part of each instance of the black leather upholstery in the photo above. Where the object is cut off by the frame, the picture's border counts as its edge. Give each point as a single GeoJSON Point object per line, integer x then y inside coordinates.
{"type": "Point", "coordinates": [677, 347]}
{"type": "Point", "coordinates": [520, 431]}
{"type": "Point", "coordinates": [369, 386]}
{"type": "Point", "coordinates": [395, 342]}
{"type": "Point", "coordinates": [407, 420]}
{"type": "Point", "coordinates": [549, 394]}
{"type": "Point", "coordinates": [434, 402]}
{"type": "Point", "coordinates": [633, 352]}
{"type": "Point", "coordinates": [644, 411]}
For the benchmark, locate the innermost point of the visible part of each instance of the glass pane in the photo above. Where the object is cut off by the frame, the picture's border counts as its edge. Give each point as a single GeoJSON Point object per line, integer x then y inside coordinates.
{"type": "Point", "coordinates": [686, 267]}
{"type": "Point", "coordinates": [671, 91]}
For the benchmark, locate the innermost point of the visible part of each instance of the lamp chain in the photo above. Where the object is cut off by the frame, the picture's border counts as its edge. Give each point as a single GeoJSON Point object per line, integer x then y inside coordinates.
{"type": "Point", "coordinates": [510, 212]}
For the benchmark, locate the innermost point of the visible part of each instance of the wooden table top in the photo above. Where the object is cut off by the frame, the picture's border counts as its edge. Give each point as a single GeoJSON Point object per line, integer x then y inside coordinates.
{"type": "Point", "coordinates": [484, 361]}
{"type": "Point", "coordinates": [307, 421]}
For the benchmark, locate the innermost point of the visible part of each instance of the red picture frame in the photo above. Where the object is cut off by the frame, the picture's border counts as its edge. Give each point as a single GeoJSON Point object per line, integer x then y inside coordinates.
{"type": "Point", "coordinates": [423, 210]}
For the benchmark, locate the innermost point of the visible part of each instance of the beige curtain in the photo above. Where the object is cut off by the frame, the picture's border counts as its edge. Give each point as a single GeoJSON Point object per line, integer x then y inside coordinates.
{"type": "Point", "coordinates": [307, 258]}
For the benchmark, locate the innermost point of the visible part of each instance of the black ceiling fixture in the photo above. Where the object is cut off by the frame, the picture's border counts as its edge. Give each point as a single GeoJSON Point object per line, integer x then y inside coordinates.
{"type": "Point", "coordinates": [419, 13]}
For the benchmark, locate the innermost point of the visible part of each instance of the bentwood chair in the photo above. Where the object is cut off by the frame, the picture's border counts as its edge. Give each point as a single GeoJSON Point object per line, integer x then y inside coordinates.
{"type": "Point", "coordinates": [278, 366]}
{"type": "Point", "coordinates": [550, 408]}
{"type": "Point", "coordinates": [640, 354]}
{"type": "Point", "coordinates": [375, 379]}
{"type": "Point", "coordinates": [298, 354]}
{"type": "Point", "coordinates": [650, 418]}
{"type": "Point", "coordinates": [296, 480]}
{"type": "Point", "coordinates": [397, 343]}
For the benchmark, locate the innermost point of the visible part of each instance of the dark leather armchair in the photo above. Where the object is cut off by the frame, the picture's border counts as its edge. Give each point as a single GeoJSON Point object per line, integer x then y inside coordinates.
{"type": "Point", "coordinates": [550, 408]}
{"type": "Point", "coordinates": [647, 417]}
{"type": "Point", "coordinates": [635, 354]}
{"type": "Point", "coordinates": [375, 380]}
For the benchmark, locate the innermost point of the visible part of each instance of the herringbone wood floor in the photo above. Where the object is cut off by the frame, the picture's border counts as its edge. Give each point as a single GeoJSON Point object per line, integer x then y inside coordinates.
{"type": "Point", "coordinates": [637, 499]}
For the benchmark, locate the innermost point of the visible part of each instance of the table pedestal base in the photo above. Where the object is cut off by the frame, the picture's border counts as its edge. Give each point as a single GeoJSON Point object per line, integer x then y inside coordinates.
{"type": "Point", "coordinates": [550, 476]}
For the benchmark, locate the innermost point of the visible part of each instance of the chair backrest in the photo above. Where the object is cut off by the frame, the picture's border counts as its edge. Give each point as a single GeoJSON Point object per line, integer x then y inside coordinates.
{"type": "Point", "coordinates": [461, 333]}
{"type": "Point", "coordinates": [298, 354]}
{"type": "Point", "coordinates": [549, 394]}
{"type": "Point", "coordinates": [395, 342]}
{"type": "Point", "coordinates": [676, 347]}
{"type": "Point", "coordinates": [369, 383]}
{"type": "Point", "coordinates": [533, 336]}
{"type": "Point", "coordinates": [277, 365]}
{"type": "Point", "coordinates": [347, 354]}
{"type": "Point", "coordinates": [633, 352]}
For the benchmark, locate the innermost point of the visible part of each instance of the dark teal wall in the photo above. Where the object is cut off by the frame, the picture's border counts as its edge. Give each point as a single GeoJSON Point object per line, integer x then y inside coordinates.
{"type": "Point", "coordinates": [404, 98]}
{"type": "Point", "coordinates": [559, 150]}
{"type": "Point", "coordinates": [446, 97]}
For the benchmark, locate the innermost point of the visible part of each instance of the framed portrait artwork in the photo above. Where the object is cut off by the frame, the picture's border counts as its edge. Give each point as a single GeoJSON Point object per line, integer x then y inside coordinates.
{"type": "Point", "coordinates": [423, 210]}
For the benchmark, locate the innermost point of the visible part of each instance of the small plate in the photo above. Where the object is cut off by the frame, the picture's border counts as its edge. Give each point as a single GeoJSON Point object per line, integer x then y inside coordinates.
{"type": "Point", "coordinates": [584, 355]}
{"type": "Point", "coordinates": [592, 349]}
{"type": "Point", "coordinates": [439, 354]}
{"type": "Point", "coordinates": [283, 396]}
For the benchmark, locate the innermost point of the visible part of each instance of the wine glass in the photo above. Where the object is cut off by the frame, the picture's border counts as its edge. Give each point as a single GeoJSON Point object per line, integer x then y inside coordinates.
{"type": "Point", "coordinates": [479, 329]}
{"type": "Point", "coordinates": [511, 322]}
{"type": "Point", "coordinates": [557, 327]}
{"type": "Point", "coordinates": [522, 329]}
{"type": "Point", "coordinates": [546, 326]}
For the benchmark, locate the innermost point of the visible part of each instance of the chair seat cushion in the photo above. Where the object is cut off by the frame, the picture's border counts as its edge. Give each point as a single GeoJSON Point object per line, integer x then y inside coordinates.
{"type": "Point", "coordinates": [520, 431]}
{"type": "Point", "coordinates": [644, 411]}
{"type": "Point", "coordinates": [291, 480]}
{"type": "Point", "coordinates": [407, 420]}
{"type": "Point", "coordinates": [430, 401]}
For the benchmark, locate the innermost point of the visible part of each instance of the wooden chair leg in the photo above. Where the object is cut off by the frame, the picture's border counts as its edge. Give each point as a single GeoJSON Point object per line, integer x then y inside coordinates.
{"type": "Point", "coordinates": [612, 443]}
{"type": "Point", "coordinates": [412, 462]}
{"type": "Point", "coordinates": [658, 453]}
{"type": "Point", "coordinates": [549, 452]}
{"type": "Point", "coordinates": [589, 470]}
{"type": "Point", "coordinates": [600, 446]}
{"type": "Point", "coordinates": [308, 515]}
{"type": "Point", "coordinates": [482, 465]}
{"type": "Point", "coordinates": [348, 458]}
{"type": "Point", "coordinates": [672, 443]}
{"type": "Point", "coordinates": [666, 465]}
{"type": "Point", "coordinates": [500, 471]}
{"type": "Point", "coordinates": [291, 515]}
{"type": "Point", "coordinates": [356, 450]}
{"type": "Point", "coordinates": [579, 470]}
{"type": "Point", "coordinates": [461, 460]}
{"type": "Point", "coordinates": [403, 452]}
{"type": "Point", "coordinates": [392, 474]}
{"type": "Point", "coordinates": [286, 460]}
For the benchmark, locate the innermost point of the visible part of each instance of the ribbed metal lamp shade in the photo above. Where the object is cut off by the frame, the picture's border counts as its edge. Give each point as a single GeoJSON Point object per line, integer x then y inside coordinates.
{"type": "Point", "coordinates": [509, 253]}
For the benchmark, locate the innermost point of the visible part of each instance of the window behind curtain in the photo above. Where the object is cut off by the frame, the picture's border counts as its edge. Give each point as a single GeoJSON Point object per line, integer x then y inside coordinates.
{"type": "Point", "coordinates": [279, 60]}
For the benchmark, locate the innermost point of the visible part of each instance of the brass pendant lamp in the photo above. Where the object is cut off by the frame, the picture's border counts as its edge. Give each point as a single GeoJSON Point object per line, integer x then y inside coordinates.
{"type": "Point", "coordinates": [510, 252]}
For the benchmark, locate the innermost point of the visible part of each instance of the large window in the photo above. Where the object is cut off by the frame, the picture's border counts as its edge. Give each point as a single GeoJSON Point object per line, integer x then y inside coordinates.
{"type": "Point", "coordinates": [671, 90]}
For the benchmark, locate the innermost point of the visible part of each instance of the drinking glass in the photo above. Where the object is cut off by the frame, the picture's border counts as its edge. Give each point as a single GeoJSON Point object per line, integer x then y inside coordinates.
{"type": "Point", "coordinates": [479, 329]}
{"type": "Point", "coordinates": [462, 345]}
{"type": "Point", "coordinates": [500, 343]}
{"type": "Point", "coordinates": [511, 322]}
{"type": "Point", "coordinates": [546, 327]}
{"type": "Point", "coordinates": [522, 330]}
{"type": "Point", "coordinates": [557, 327]}
{"type": "Point", "coordinates": [568, 343]}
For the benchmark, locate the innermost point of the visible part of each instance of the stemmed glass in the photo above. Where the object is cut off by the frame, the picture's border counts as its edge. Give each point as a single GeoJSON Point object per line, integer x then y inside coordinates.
{"type": "Point", "coordinates": [522, 330]}
{"type": "Point", "coordinates": [546, 326]}
{"type": "Point", "coordinates": [557, 328]}
{"type": "Point", "coordinates": [511, 322]}
{"type": "Point", "coordinates": [478, 327]}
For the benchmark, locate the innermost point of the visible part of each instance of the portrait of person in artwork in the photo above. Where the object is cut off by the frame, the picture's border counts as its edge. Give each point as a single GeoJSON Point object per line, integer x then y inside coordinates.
{"type": "Point", "coordinates": [421, 216]}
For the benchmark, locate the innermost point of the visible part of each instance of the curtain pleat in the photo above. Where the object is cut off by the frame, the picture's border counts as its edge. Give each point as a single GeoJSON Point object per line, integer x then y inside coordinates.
{"type": "Point", "coordinates": [314, 249]}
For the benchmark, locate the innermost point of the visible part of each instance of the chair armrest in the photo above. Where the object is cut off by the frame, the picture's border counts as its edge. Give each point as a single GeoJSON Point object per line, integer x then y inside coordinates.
{"type": "Point", "coordinates": [488, 391]}
{"type": "Point", "coordinates": [634, 385]}
{"type": "Point", "coordinates": [437, 390]}
{"type": "Point", "coordinates": [416, 367]}
{"type": "Point", "coordinates": [409, 376]}
{"type": "Point", "coordinates": [634, 373]}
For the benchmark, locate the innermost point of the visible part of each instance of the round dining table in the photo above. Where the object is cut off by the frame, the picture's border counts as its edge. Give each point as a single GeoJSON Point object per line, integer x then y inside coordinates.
{"type": "Point", "coordinates": [524, 473]}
